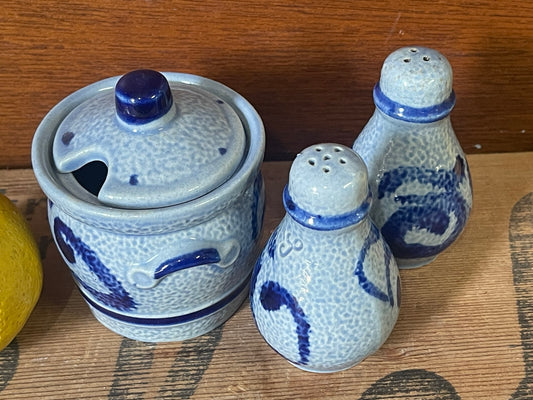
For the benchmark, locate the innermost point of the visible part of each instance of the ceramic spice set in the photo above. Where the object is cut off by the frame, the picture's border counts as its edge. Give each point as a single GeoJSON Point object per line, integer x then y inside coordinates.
{"type": "Point", "coordinates": [156, 204]}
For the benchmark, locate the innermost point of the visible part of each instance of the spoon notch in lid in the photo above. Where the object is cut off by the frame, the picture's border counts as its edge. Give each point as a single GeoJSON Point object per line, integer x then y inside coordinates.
{"type": "Point", "coordinates": [164, 142]}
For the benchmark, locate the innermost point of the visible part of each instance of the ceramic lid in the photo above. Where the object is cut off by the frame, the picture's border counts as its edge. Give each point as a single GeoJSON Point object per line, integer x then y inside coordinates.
{"type": "Point", "coordinates": [164, 143]}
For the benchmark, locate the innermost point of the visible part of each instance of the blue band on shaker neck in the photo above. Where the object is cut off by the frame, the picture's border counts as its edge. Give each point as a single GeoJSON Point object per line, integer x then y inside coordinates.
{"type": "Point", "coordinates": [413, 114]}
{"type": "Point", "coordinates": [325, 223]}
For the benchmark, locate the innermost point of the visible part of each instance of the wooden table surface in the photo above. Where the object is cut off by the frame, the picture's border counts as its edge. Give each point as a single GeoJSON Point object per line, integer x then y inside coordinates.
{"type": "Point", "coordinates": [465, 329]}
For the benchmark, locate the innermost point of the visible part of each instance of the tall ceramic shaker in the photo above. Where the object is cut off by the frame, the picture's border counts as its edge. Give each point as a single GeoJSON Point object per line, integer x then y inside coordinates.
{"type": "Point", "coordinates": [418, 172]}
{"type": "Point", "coordinates": [325, 292]}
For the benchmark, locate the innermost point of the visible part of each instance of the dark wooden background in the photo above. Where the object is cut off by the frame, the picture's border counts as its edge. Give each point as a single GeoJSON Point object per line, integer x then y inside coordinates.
{"type": "Point", "coordinates": [307, 66]}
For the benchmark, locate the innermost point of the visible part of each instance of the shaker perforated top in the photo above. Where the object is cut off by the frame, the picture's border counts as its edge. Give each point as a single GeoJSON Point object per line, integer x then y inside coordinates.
{"type": "Point", "coordinates": [328, 187]}
{"type": "Point", "coordinates": [415, 85]}
{"type": "Point", "coordinates": [163, 142]}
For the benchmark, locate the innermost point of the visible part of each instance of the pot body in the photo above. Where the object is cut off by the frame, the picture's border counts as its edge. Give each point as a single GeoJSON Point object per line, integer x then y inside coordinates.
{"type": "Point", "coordinates": [159, 274]}
{"type": "Point", "coordinates": [164, 286]}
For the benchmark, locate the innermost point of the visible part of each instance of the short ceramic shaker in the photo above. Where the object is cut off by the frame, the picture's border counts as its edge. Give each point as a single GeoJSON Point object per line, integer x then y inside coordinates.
{"type": "Point", "coordinates": [325, 293]}
{"type": "Point", "coordinates": [418, 172]}
{"type": "Point", "coordinates": [155, 199]}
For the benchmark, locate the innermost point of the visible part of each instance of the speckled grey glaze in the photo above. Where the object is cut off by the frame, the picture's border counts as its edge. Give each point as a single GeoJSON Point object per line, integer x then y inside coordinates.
{"type": "Point", "coordinates": [416, 76]}
{"type": "Point", "coordinates": [164, 273]}
{"type": "Point", "coordinates": [418, 172]}
{"type": "Point", "coordinates": [325, 292]}
{"type": "Point", "coordinates": [162, 157]}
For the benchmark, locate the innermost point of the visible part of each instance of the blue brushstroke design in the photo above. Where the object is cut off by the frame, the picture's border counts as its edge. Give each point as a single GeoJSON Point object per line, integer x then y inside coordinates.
{"type": "Point", "coordinates": [257, 219]}
{"type": "Point", "coordinates": [364, 282]}
{"type": "Point", "coordinates": [273, 296]}
{"type": "Point", "coordinates": [271, 249]}
{"type": "Point", "coordinates": [430, 211]}
{"type": "Point", "coordinates": [134, 180]}
{"type": "Point", "coordinates": [67, 137]}
{"type": "Point", "coordinates": [189, 260]}
{"type": "Point", "coordinates": [272, 243]}
{"type": "Point", "coordinates": [71, 245]}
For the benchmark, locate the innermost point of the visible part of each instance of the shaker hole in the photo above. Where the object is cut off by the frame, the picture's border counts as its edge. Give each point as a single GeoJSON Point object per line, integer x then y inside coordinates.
{"type": "Point", "coordinates": [413, 50]}
{"type": "Point", "coordinates": [337, 149]}
{"type": "Point", "coordinates": [342, 161]}
{"type": "Point", "coordinates": [326, 157]}
{"type": "Point", "coordinates": [318, 148]}
{"type": "Point", "coordinates": [406, 60]}
{"type": "Point", "coordinates": [326, 170]}
{"type": "Point", "coordinates": [92, 176]}
{"type": "Point", "coordinates": [311, 162]}
{"type": "Point", "coordinates": [426, 58]}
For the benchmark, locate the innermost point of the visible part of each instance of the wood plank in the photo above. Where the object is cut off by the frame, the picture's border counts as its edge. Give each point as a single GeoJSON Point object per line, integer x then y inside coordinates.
{"type": "Point", "coordinates": [464, 329]}
{"type": "Point", "coordinates": [308, 66]}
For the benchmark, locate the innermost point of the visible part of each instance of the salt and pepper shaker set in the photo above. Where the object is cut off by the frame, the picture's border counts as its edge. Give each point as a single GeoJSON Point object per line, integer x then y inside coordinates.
{"type": "Point", "coordinates": [325, 292]}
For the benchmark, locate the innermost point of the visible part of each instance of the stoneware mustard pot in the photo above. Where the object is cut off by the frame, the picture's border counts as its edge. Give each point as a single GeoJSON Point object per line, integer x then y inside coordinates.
{"type": "Point", "coordinates": [418, 172]}
{"type": "Point", "coordinates": [325, 292]}
{"type": "Point", "coordinates": [155, 199]}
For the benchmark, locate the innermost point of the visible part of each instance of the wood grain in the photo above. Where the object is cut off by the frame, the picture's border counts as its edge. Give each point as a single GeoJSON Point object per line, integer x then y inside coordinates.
{"type": "Point", "coordinates": [464, 330]}
{"type": "Point", "coordinates": [307, 66]}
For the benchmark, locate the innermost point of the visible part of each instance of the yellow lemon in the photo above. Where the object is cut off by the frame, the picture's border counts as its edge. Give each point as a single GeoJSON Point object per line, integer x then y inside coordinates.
{"type": "Point", "coordinates": [21, 275]}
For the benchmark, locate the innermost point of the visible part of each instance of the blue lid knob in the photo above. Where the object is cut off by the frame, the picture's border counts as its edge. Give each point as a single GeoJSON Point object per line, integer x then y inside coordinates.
{"type": "Point", "coordinates": [142, 96]}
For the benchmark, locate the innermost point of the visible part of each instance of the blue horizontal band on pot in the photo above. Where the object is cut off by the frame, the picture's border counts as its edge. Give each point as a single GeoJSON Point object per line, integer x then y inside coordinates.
{"type": "Point", "coordinates": [413, 114]}
{"type": "Point", "coordinates": [178, 319]}
{"type": "Point", "coordinates": [321, 222]}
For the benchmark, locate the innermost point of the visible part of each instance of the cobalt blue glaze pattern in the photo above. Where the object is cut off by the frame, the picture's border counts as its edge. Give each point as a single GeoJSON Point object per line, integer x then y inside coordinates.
{"type": "Point", "coordinates": [367, 285]}
{"type": "Point", "coordinates": [325, 299]}
{"type": "Point", "coordinates": [134, 179]}
{"type": "Point", "coordinates": [178, 319]}
{"type": "Point", "coordinates": [413, 114]}
{"type": "Point", "coordinates": [116, 297]}
{"type": "Point", "coordinates": [189, 260]}
{"type": "Point", "coordinates": [67, 137]}
{"type": "Point", "coordinates": [142, 96]}
{"type": "Point", "coordinates": [273, 297]}
{"type": "Point", "coordinates": [418, 172]}
{"type": "Point", "coordinates": [323, 222]}
{"type": "Point", "coordinates": [257, 208]}
{"type": "Point", "coordinates": [270, 249]}
{"type": "Point", "coordinates": [431, 212]}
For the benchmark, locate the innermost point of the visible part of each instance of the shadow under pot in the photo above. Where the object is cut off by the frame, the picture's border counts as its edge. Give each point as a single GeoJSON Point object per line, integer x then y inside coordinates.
{"type": "Point", "coordinates": [156, 199]}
